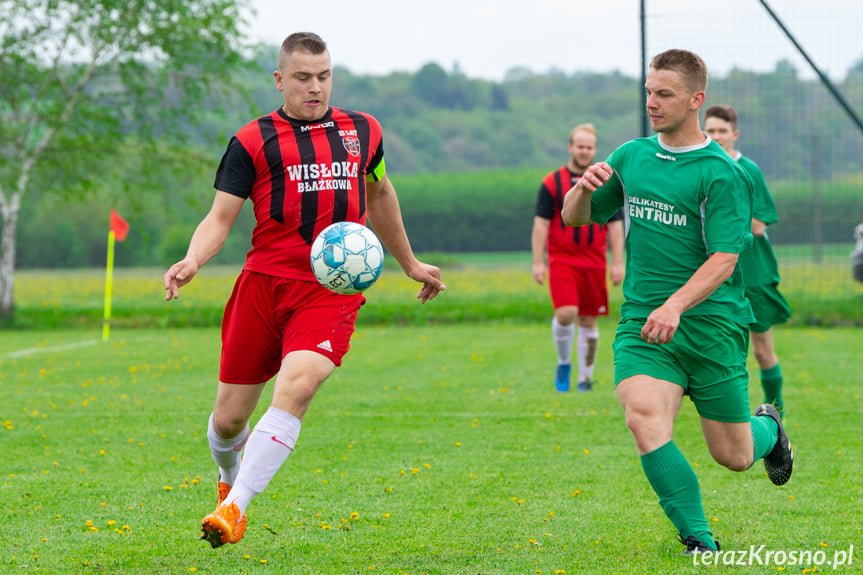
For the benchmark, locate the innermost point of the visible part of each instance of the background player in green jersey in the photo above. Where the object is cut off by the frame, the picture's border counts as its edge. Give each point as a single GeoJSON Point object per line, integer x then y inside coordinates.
{"type": "Point", "coordinates": [684, 326]}
{"type": "Point", "coordinates": [758, 265]}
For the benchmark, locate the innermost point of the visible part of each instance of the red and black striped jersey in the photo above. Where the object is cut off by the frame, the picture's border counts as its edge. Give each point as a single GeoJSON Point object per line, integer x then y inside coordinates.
{"type": "Point", "coordinates": [582, 246]}
{"type": "Point", "coordinates": [301, 177]}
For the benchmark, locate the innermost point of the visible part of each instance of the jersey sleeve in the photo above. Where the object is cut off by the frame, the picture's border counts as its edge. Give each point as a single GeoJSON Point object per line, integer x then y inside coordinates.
{"type": "Point", "coordinates": [728, 211]}
{"type": "Point", "coordinates": [236, 173]}
{"type": "Point", "coordinates": [608, 200]}
{"type": "Point", "coordinates": [544, 203]}
{"type": "Point", "coordinates": [763, 207]}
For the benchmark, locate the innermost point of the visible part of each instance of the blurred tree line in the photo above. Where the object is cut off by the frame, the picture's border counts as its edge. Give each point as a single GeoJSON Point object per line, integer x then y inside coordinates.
{"type": "Point", "coordinates": [465, 154]}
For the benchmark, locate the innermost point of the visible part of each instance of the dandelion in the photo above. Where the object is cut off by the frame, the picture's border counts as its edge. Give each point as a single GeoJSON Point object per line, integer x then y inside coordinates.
{"type": "Point", "coordinates": [386, 515]}
{"type": "Point", "coordinates": [587, 452]}
{"type": "Point", "coordinates": [576, 492]}
{"type": "Point", "coordinates": [167, 488]}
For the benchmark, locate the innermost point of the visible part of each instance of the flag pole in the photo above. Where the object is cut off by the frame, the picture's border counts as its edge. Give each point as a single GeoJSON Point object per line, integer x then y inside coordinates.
{"type": "Point", "coordinates": [109, 284]}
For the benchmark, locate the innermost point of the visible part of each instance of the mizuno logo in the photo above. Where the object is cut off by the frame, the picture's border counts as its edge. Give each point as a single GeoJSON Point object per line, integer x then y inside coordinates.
{"type": "Point", "coordinates": [664, 157]}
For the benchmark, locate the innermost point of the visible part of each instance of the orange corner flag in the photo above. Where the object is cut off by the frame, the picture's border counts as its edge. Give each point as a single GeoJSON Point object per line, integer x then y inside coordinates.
{"type": "Point", "coordinates": [119, 226]}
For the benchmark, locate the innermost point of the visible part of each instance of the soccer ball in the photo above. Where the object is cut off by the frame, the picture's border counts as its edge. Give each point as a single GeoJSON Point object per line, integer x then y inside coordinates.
{"type": "Point", "coordinates": [347, 258]}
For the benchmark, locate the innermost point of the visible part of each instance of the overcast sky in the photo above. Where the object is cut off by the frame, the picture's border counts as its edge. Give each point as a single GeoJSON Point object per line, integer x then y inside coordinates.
{"type": "Point", "coordinates": [485, 38]}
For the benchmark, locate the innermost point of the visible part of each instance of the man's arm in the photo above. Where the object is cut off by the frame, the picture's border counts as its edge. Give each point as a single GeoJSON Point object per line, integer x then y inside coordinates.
{"type": "Point", "coordinates": [385, 216]}
{"type": "Point", "coordinates": [576, 203]}
{"type": "Point", "coordinates": [208, 239]}
{"type": "Point", "coordinates": [663, 321]}
{"type": "Point", "coordinates": [538, 240]}
{"type": "Point", "coordinates": [615, 239]}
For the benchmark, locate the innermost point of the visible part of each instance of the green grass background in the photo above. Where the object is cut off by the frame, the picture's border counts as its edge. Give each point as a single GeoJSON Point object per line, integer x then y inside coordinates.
{"type": "Point", "coordinates": [435, 449]}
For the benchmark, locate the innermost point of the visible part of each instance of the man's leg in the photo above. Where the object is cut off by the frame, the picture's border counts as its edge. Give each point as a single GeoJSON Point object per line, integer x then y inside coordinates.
{"type": "Point", "coordinates": [651, 406]}
{"type": "Point", "coordinates": [738, 445]}
{"type": "Point", "coordinates": [274, 436]}
{"type": "Point", "coordinates": [272, 440]}
{"type": "Point", "coordinates": [563, 332]}
{"type": "Point", "coordinates": [586, 346]}
{"type": "Point", "coordinates": [771, 373]}
{"type": "Point", "coordinates": [228, 433]}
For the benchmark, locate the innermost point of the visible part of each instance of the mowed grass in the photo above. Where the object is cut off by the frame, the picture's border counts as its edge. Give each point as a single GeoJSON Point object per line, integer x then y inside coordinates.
{"type": "Point", "coordinates": [434, 449]}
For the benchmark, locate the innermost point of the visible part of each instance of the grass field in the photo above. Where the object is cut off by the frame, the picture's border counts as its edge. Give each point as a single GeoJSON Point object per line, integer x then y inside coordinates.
{"type": "Point", "coordinates": [436, 449]}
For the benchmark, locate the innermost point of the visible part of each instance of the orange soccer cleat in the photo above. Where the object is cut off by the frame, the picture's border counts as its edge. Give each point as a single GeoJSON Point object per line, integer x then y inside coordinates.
{"type": "Point", "coordinates": [224, 525]}
{"type": "Point", "coordinates": [224, 489]}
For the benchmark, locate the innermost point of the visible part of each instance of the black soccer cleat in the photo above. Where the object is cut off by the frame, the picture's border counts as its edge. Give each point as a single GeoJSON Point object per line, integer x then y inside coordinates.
{"type": "Point", "coordinates": [694, 546]}
{"type": "Point", "coordinates": [780, 461]}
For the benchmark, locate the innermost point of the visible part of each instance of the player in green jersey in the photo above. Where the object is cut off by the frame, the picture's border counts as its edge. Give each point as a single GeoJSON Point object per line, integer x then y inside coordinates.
{"type": "Point", "coordinates": [758, 265]}
{"type": "Point", "coordinates": [684, 326]}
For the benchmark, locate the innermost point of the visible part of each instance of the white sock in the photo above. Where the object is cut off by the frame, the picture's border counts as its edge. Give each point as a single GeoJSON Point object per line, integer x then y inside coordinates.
{"type": "Point", "coordinates": [588, 340]}
{"type": "Point", "coordinates": [270, 443]}
{"type": "Point", "coordinates": [227, 453]}
{"type": "Point", "coordinates": [563, 337]}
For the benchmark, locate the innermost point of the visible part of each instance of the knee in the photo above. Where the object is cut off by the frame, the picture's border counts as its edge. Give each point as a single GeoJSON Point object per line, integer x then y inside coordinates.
{"type": "Point", "coordinates": [228, 425]}
{"type": "Point", "coordinates": [647, 426]}
{"type": "Point", "coordinates": [566, 315]}
{"type": "Point", "coordinates": [763, 356]}
{"type": "Point", "coordinates": [735, 462]}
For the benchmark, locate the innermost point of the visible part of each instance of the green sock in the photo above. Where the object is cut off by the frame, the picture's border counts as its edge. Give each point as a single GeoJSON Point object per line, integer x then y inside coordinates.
{"type": "Point", "coordinates": [764, 434]}
{"type": "Point", "coordinates": [771, 382]}
{"type": "Point", "coordinates": [674, 480]}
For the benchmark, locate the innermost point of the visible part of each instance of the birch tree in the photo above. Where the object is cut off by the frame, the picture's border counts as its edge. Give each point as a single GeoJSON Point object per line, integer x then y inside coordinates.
{"type": "Point", "coordinates": [78, 77]}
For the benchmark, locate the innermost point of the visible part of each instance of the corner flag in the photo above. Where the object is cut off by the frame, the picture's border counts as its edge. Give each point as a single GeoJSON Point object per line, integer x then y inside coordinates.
{"type": "Point", "coordinates": [119, 228]}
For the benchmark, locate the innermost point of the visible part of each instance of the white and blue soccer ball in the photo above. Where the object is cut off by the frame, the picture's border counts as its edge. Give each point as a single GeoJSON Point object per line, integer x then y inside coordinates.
{"type": "Point", "coordinates": [347, 258]}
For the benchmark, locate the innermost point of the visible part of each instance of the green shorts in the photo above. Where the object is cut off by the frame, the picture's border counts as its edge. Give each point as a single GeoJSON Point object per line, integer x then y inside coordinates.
{"type": "Point", "coordinates": [769, 306]}
{"type": "Point", "coordinates": [706, 357]}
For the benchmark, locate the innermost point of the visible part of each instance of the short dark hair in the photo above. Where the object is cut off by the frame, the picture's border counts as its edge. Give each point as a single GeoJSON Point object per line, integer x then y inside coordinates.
{"type": "Point", "coordinates": [722, 112]}
{"type": "Point", "coordinates": [305, 41]}
{"type": "Point", "coordinates": [688, 64]}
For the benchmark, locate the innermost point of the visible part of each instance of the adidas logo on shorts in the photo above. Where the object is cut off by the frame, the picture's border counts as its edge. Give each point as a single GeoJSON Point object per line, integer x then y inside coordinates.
{"type": "Point", "coordinates": [325, 345]}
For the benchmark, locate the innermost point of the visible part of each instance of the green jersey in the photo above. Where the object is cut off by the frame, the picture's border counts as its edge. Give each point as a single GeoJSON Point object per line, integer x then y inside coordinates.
{"type": "Point", "coordinates": [758, 264]}
{"type": "Point", "coordinates": [679, 205]}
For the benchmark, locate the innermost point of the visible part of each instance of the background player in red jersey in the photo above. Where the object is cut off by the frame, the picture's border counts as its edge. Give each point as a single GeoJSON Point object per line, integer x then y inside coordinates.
{"type": "Point", "coordinates": [304, 166]}
{"type": "Point", "coordinates": [577, 261]}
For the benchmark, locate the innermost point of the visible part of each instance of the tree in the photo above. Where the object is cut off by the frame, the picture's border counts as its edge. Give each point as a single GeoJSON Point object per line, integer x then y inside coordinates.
{"type": "Point", "coordinates": [80, 77]}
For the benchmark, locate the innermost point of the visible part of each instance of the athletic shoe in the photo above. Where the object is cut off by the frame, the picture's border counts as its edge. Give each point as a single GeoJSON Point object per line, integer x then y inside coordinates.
{"type": "Point", "coordinates": [224, 489]}
{"type": "Point", "coordinates": [694, 546]}
{"type": "Point", "coordinates": [585, 385]}
{"type": "Point", "coordinates": [224, 525]}
{"type": "Point", "coordinates": [780, 461]}
{"type": "Point", "coordinates": [561, 378]}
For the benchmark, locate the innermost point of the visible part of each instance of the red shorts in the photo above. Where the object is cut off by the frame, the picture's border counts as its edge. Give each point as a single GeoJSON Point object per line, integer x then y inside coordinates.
{"type": "Point", "coordinates": [268, 317]}
{"type": "Point", "coordinates": [584, 288]}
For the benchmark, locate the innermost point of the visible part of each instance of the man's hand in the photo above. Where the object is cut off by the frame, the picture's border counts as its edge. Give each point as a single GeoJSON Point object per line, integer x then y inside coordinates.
{"type": "Point", "coordinates": [429, 276]}
{"type": "Point", "coordinates": [179, 275]}
{"type": "Point", "coordinates": [617, 274]}
{"type": "Point", "coordinates": [596, 176]}
{"type": "Point", "coordinates": [539, 273]}
{"type": "Point", "coordinates": [661, 325]}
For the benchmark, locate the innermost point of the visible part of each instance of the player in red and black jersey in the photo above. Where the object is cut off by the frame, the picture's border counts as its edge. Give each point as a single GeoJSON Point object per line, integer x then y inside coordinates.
{"type": "Point", "coordinates": [577, 262]}
{"type": "Point", "coordinates": [304, 167]}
